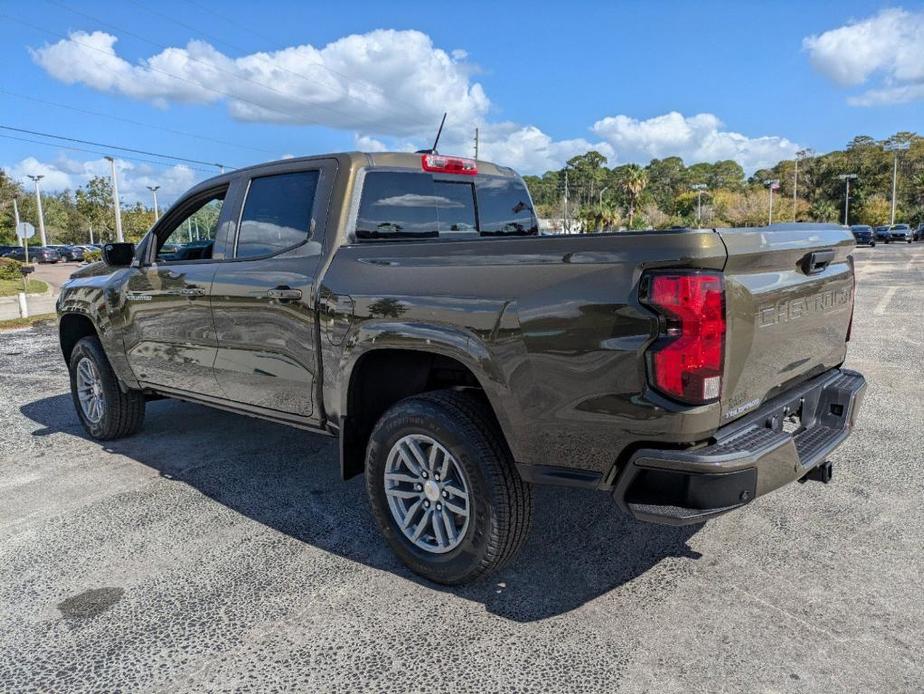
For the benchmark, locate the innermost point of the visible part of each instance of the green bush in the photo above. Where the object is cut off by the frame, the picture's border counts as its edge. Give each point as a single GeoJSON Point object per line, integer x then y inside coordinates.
{"type": "Point", "coordinates": [93, 256]}
{"type": "Point", "coordinates": [9, 269]}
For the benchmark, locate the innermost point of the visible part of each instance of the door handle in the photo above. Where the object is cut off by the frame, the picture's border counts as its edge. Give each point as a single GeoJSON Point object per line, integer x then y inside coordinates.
{"type": "Point", "coordinates": [284, 293]}
{"type": "Point", "coordinates": [193, 290]}
{"type": "Point", "coordinates": [816, 262]}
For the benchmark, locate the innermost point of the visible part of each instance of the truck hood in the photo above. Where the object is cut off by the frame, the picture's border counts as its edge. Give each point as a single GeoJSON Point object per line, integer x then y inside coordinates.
{"type": "Point", "coordinates": [96, 269]}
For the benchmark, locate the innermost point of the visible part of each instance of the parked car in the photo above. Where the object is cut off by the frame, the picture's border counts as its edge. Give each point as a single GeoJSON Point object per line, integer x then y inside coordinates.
{"type": "Point", "coordinates": [863, 234]}
{"type": "Point", "coordinates": [406, 304]}
{"type": "Point", "coordinates": [901, 232]}
{"type": "Point", "coordinates": [6, 249]}
{"type": "Point", "coordinates": [919, 232]}
{"type": "Point", "coordinates": [38, 254]}
{"type": "Point", "coordinates": [69, 253]}
{"type": "Point", "coordinates": [882, 233]}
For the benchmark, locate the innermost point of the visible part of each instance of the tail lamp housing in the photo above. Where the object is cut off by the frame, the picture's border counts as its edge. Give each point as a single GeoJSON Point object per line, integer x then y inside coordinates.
{"type": "Point", "coordinates": [438, 163]}
{"type": "Point", "coordinates": [687, 360]}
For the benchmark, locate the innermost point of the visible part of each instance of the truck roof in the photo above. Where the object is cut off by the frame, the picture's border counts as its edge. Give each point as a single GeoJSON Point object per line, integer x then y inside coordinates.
{"type": "Point", "coordinates": [356, 160]}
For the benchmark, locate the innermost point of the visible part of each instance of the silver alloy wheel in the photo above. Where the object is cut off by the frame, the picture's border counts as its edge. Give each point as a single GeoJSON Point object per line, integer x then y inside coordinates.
{"type": "Point", "coordinates": [428, 493]}
{"type": "Point", "coordinates": [90, 390]}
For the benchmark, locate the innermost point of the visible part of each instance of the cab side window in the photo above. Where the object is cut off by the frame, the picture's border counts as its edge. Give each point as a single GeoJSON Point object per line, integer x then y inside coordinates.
{"type": "Point", "coordinates": [277, 213]}
{"type": "Point", "coordinates": [193, 237]}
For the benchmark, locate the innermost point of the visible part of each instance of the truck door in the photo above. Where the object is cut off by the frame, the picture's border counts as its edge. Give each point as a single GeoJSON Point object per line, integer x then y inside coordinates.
{"type": "Point", "coordinates": [263, 297]}
{"type": "Point", "coordinates": [168, 329]}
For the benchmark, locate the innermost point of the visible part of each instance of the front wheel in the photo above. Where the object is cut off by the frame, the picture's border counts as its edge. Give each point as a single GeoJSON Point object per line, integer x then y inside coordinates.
{"type": "Point", "coordinates": [105, 410]}
{"type": "Point", "coordinates": [443, 487]}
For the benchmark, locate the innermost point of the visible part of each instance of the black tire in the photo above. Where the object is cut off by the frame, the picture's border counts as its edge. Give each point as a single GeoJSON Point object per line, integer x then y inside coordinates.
{"type": "Point", "coordinates": [122, 412]}
{"type": "Point", "coordinates": [500, 503]}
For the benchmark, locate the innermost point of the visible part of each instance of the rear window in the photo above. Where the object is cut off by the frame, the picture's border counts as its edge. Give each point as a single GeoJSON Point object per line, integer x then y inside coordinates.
{"type": "Point", "coordinates": [407, 204]}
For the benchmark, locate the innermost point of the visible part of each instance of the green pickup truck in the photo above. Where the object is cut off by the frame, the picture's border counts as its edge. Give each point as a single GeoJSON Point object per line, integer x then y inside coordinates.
{"type": "Point", "coordinates": [406, 304]}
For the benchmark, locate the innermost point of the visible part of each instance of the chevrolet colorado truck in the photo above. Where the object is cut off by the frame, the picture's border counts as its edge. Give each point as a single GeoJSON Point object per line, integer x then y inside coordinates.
{"type": "Point", "coordinates": [406, 304]}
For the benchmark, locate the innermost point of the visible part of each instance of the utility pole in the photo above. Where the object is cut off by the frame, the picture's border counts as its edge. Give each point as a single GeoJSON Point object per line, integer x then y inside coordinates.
{"type": "Point", "coordinates": [800, 155]}
{"type": "Point", "coordinates": [115, 201]}
{"type": "Point", "coordinates": [38, 204]}
{"type": "Point", "coordinates": [154, 190]}
{"type": "Point", "coordinates": [846, 178]}
{"type": "Point", "coordinates": [566, 225]}
{"type": "Point", "coordinates": [895, 147]}
{"type": "Point", "coordinates": [22, 242]}
{"type": "Point", "coordinates": [476, 143]}
{"type": "Point", "coordinates": [772, 184]}
{"type": "Point", "coordinates": [699, 188]}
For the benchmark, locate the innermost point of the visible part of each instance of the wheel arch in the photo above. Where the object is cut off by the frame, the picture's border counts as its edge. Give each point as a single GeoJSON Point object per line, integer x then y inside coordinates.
{"type": "Point", "coordinates": [381, 372]}
{"type": "Point", "coordinates": [72, 328]}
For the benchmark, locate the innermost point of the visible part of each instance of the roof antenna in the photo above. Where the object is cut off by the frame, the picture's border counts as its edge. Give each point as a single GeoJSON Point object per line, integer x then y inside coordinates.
{"type": "Point", "coordinates": [439, 132]}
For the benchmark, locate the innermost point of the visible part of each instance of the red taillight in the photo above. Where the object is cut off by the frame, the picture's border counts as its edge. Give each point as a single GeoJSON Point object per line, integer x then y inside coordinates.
{"type": "Point", "coordinates": [687, 362]}
{"type": "Point", "coordinates": [437, 163]}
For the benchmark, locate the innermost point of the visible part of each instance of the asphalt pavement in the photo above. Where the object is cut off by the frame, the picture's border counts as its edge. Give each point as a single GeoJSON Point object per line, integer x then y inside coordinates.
{"type": "Point", "coordinates": [212, 552]}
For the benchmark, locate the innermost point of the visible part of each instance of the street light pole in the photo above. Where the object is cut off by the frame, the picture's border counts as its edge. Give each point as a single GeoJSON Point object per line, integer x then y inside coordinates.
{"type": "Point", "coordinates": [154, 190]}
{"type": "Point", "coordinates": [895, 147]}
{"type": "Point", "coordinates": [22, 242]}
{"type": "Point", "coordinates": [605, 188]}
{"type": "Point", "coordinates": [847, 178]}
{"type": "Point", "coordinates": [800, 155]}
{"type": "Point", "coordinates": [38, 204]}
{"type": "Point", "coordinates": [772, 184]}
{"type": "Point", "coordinates": [699, 188]}
{"type": "Point", "coordinates": [115, 201]}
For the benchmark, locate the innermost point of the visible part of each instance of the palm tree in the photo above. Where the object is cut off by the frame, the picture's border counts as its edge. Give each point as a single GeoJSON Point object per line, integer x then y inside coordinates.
{"type": "Point", "coordinates": [633, 182]}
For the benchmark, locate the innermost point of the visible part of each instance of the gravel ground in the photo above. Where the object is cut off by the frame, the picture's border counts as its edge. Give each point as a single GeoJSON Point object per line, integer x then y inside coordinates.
{"type": "Point", "coordinates": [213, 552]}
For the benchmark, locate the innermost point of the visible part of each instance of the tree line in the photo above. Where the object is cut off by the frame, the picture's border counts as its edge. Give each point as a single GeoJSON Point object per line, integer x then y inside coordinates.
{"type": "Point", "coordinates": [597, 197]}
{"type": "Point", "coordinates": [668, 193]}
{"type": "Point", "coordinates": [70, 215]}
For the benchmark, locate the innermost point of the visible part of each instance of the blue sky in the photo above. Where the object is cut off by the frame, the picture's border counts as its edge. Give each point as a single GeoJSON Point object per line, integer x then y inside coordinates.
{"type": "Point", "coordinates": [543, 81]}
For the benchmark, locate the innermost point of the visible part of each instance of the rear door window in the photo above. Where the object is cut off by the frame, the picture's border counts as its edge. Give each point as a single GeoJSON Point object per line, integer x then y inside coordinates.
{"type": "Point", "coordinates": [277, 213]}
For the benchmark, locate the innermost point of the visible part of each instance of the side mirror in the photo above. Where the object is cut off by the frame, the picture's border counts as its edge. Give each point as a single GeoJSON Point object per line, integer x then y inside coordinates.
{"type": "Point", "coordinates": [118, 254]}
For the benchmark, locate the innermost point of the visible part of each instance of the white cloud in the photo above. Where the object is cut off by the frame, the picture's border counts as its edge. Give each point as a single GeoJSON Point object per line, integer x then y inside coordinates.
{"type": "Point", "coordinates": [889, 45]}
{"type": "Point", "coordinates": [695, 139]}
{"type": "Point", "coordinates": [390, 89]}
{"type": "Point", "coordinates": [385, 81]}
{"type": "Point", "coordinates": [529, 149]}
{"type": "Point", "coordinates": [64, 173]}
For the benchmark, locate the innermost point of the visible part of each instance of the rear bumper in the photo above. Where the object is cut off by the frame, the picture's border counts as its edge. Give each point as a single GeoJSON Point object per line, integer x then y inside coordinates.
{"type": "Point", "coordinates": [749, 458]}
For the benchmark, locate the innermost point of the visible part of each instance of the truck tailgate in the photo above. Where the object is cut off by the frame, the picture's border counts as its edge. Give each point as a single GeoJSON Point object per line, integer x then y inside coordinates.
{"type": "Point", "coordinates": [789, 301]}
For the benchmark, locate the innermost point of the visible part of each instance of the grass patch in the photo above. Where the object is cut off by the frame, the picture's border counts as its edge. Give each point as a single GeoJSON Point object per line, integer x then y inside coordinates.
{"type": "Point", "coordinates": [26, 322]}
{"type": "Point", "coordinates": [13, 287]}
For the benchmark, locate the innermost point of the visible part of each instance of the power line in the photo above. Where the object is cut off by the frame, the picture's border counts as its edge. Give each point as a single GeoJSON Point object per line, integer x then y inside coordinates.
{"type": "Point", "coordinates": [211, 66]}
{"type": "Point", "coordinates": [244, 50]}
{"type": "Point", "coordinates": [107, 146]}
{"type": "Point", "coordinates": [151, 68]}
{"type": "Point", "coordinates": [131, 121]}
{"type": "Point", "coordinates": [58, 145]}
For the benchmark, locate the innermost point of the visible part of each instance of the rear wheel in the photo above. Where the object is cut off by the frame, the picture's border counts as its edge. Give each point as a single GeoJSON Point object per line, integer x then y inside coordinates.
{"type": "Point", "coordinates": [105, 410]}
{"type": "Point", "coordinates": [443, 487]}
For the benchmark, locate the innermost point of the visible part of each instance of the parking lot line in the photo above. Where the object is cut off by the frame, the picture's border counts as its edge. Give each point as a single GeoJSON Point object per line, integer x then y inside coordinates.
{"type": "Point", "coordinates": [884, 301]}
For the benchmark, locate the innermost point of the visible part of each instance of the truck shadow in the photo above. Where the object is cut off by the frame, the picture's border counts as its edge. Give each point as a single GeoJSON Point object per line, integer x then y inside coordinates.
{"type": "Point", "coordinates": [580, 548]}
